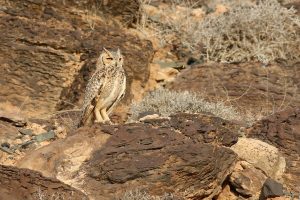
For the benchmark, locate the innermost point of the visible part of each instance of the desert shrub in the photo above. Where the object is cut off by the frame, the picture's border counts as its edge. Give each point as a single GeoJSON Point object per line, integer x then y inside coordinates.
{"type": "Point", "coordinates": [139, 194]}
{"type": "Point", "coordinates": [166, 103]}
{"type": "Point", "coordinates": [265, 32]}
{"type": "Point", "coordinates": [169, 23]}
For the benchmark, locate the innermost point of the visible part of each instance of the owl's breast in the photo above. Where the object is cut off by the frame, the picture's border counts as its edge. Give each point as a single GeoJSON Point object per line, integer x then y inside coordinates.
{"type": "Point", "coordinates": [113, 89]}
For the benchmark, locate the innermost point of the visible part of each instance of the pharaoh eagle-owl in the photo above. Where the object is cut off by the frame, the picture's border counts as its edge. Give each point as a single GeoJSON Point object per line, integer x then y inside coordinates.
{"type": "Point", "coordinates": [105, 88]}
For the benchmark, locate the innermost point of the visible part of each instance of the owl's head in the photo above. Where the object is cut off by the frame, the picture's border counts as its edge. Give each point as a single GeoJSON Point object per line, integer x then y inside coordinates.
{"type": "Point", "coordinates": [110, 58]}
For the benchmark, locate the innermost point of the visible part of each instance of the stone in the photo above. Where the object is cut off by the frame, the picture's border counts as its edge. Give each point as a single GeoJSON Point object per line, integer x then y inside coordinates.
{"type": "Point", "coordinates": [227, 194]}
{"type": "Point", "coordinates": [127, 11]}
{"type": "Point", "coordinates": [45, 136]}
{"type": "Point", "coordinates": [271, 189]}
{"type": "Point", "coordinates": [105, 161]}
{"type": "Point", "coordinates": [18, 141]}
{"type": "Point", "coordinates": [20, 184]}
{"type": "Point", "coordinates": [27, 144]}
{"type": "Point", "coordinates": [247, 181]}
{"type": "Point", "coordinates": [6, 149]}
{"type": "Point", "coordinates": [26, 131]}
{"type": "Point", "coordinates": [282, 130]}
{"type": "Point", "coordinates": [261, 155]}
{"type": "Point", "coordinates": [247, 86]}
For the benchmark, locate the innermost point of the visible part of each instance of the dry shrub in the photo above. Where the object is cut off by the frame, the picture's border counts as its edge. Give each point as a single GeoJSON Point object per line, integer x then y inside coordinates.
{"type": "Point", "coordinates": [166, 103]}
{"type": "Point", "coordinates": [170, 22]}
{"type": "Point", "coordinates": [139, 194]}
{"type": "Point", "coordinates": [263, 32]}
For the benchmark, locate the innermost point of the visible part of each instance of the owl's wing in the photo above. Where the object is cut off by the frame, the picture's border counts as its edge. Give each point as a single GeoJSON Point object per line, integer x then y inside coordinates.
{"type": "Point", "coordinates": [92, 90]}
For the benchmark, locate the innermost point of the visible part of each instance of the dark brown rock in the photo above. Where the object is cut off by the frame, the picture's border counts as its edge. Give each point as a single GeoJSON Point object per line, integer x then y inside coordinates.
{"type": "Point", "coordinates": [19, 184]}
{"type": "Point", "coordinates": [283, 131]}
{"type": "Point", "coordinates": [157, 159]}
{"type": "Point", "coordinates": [160, 156]}
{"type": "Point", "coordinates": [127, 11]}
{"type": "Point", "coordinates": [250, 87]}
{"type": "Point", "coordinates": [48, 51]}
{"type": "Point", "coordinates": [271, 189]}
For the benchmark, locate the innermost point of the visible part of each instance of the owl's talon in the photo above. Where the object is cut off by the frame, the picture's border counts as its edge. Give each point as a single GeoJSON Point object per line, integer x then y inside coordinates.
{"type": "Point", "coordinates": [108, 122]}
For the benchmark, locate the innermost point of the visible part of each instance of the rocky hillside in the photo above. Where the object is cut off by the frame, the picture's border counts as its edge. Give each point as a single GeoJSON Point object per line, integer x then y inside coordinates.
{"type": "Point", "coordinates": [48, 53]}
{"type": "Point", "coordinates": [49, 49]}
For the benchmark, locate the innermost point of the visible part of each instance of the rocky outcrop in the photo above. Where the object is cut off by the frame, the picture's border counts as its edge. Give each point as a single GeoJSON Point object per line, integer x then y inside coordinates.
{"type": "Point", "coordinates": [19, 184]}
{"type": "Point", "coordinates": [250, 87]}
{"type": "Point", "coordinates": [282, 130]}
{"type": "Point", "coordinates": [48, 51]}
{"type": "Point", "coordinates": [261, 155]}
{"type": "Point", "coordinates": [182, 155]}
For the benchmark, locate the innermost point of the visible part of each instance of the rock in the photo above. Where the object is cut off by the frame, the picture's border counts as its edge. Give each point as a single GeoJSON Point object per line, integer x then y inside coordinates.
{"type": "Point", "coordinates": [250, 87]}
{"type": "Point", "coordinates": [14, 121]}
{"type": "Point", "coordinates": [279, 198]}
{"type": "Point", "coordinates": [149, 117]}
{"type": "Point", "coordinates": [26, 144]}
{"type": "Point", "coordinates": [166, 75]}
{"type": "Point", "coordinates": [227, 194]}
{"type": "Point", "coordinates": [19, 184]}
{"type": "Point", "coordinates": [127, 11]}
{"type": "Point", "coordinates": [247, 181]}
{"type": "Point", "coordinates": [283, 131]}
{"type": "Point", "coordinates": [7, 132]}
{"type": "Point", "coordinates": [271, 189]}
{"type": "Point", "coordinates": [108, 160]}
{"type": "Point", "coordinates": [26, 131]}
{"type": "Point", "coordinates": [6, 149]}
{"type": "Point", "coordinates": [261, 155]}
{"type": "Point", "coordinates": [45, 136]}
{"type": "Point", "coordinates": [48, 52]}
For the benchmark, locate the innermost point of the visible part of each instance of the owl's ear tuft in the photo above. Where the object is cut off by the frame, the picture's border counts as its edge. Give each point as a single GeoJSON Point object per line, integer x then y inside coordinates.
{"type": "Point", "coordinates": [105, 51]}
{"type": "Point", "coordinates": [119, 52]}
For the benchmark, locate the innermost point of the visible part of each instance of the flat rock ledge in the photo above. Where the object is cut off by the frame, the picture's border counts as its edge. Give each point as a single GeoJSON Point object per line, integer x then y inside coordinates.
{"type": "Point", "coordinates": [184, 155]}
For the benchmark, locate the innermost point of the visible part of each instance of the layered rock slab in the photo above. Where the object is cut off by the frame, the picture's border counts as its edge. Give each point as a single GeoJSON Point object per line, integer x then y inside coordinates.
{"type": "Point", "coordinates": [250, 87]}
{"type": "Point", "coordinates": [108, 160]}
{"type": "Point", "coordinates": [282, 130]}
{"type": "Point", "coordinates": [19, 184]}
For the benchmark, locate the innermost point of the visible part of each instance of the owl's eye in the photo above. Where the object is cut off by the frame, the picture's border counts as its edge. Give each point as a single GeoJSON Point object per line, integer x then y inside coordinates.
{"type": "Point", "coordinates": [120, 59]}
{"type": "Point", "coordinates": [109, 58]}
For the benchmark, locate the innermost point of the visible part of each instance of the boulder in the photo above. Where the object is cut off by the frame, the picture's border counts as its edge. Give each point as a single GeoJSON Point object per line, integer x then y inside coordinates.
{"type": "Point", "coordinates": [261, 155]}
{"type": "Point", "coordinates": [19, 184]}
{"type": "Point", "coordinates": [180, 155]}
{"type": "Point", "coordinates": [282, 130]}
{"type": "Point", "coordinates": [250, 87]}
{"type": "Point", "coordinates": [48, 51]}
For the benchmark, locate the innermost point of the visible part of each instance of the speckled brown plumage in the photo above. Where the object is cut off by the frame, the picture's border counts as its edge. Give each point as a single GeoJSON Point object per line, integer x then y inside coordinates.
{"type": "Point", "coordinates": [105, 88]}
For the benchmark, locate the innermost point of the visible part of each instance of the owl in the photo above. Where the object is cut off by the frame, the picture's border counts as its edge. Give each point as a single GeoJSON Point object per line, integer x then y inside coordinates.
{"type": "Point", "coordinates": [105, 88]}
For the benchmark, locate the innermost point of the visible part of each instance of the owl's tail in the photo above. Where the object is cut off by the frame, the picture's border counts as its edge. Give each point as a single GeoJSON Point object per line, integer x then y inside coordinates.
{"type": "Point", "coordinates": [86, 117]}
